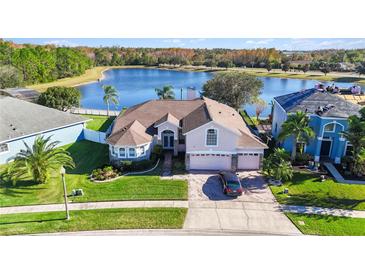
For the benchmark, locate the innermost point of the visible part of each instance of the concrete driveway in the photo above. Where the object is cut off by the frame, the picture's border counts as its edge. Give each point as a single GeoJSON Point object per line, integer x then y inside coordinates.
{"type": "Point", "coordinates": [256, 211]}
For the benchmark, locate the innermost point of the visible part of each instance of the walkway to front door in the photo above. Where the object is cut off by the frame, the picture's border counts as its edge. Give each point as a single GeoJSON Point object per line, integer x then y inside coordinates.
{"type": "Point", "coordinates": [167, 164]}
{"type": "Point", "coordinates": [168, 139]}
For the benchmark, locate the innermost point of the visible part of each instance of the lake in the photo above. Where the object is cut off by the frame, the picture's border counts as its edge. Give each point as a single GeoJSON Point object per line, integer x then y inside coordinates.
{"type": "Point", "coordinates": [138, 85]}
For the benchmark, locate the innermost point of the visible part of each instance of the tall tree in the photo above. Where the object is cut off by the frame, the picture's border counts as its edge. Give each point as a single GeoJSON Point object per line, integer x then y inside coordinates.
{"type": "Point", "coordinates": [325, 68]}
{"type": "Point", "coordinates": [260, 106]}
{"type": "Point", "coordinates": [110, 97]}
{"type": "Point", "coordinates": [297, 127]}
{"type": "Point", "coordinates": [360, 69]}
{"type": "Point", "coordinates": [233, 88]}
{"type": "Point", "coordinates": [10, 77]}
{"type": "Point", "coordinates": [285, 67]}
{"type": "Point", "coordinates": [166, 92]}
{"type": "Point", "coordinates": [39, 159]}
{"type": "Point", "coordinates": [305, 68]}
{"type": "Point", "coordinates": [61, 98]}
{"type": "Point", "coordinates": [355, 134]}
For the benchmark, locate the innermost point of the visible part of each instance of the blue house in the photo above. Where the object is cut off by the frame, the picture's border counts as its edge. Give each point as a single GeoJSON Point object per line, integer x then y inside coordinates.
{"type": "Point", "coordinates": [328, 115]}
{"type": "Point", "coordinates": [22, 121]}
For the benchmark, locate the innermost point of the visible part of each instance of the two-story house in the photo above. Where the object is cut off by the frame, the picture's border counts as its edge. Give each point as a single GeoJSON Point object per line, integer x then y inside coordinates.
{"type": "Point", "coordinates": [212, 135]}
{"type": "Point", "coordinates": [328, 115]}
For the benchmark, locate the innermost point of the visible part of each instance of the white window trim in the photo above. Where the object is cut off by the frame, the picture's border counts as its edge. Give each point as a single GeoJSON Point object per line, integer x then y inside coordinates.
{"type": "Point", "coordinates": [332, 122]}
{"type": "Point", "coordinates": [7, 148]}
{"type": "Point", "coordinates": [333, 130]}
{"type": "Point", "coordinates": [348, 144]}
{"type": "Point", "coordinates": [206, 137]}
{"type": "Point", "coordinates": [125, 153]}
{"type": "Point", "coordinates": [135, 152]}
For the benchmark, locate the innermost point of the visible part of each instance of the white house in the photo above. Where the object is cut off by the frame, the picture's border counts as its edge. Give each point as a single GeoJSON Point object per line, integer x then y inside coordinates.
{"type": "Point", "coordinates": [22, 121]}
{"type": "Point", "coordinates": [212, 135]}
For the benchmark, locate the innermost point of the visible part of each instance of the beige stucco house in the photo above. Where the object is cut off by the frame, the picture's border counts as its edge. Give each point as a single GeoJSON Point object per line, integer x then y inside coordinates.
{"type": "Point", "coordinates": [212, 135]}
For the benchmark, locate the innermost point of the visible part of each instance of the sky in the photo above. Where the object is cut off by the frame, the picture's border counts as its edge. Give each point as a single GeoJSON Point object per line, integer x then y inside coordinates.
{"type": "Point", "coordinates": [231, 43]}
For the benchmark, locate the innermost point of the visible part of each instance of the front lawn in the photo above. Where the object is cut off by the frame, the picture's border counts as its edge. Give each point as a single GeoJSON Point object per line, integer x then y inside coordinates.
{"type": "Point", "coordinates": [88, 156]}
{"type": "Point", "coordinates": [306, 189]}
{"type": "Point", "coordinates": [328, 225]}
{"type": "Point", "coordinates": [99, 123]}
{"type": "Point", "coordinates": [81, 220]}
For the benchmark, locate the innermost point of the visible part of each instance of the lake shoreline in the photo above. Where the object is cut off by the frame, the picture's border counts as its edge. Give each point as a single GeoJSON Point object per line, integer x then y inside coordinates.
{"type": "Point", "coordinates": [96, 74]}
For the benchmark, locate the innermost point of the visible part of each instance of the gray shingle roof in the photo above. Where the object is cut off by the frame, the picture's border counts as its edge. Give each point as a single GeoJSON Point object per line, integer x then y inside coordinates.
{"type": "Point", "coordinates": [311, 99]}
{"type": "Point", "coordinates": [20, 118]}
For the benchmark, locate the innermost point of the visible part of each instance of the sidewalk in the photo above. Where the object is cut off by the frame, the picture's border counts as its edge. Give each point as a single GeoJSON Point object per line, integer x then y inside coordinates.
{"type": "Point", "coordinates": [92, 205]}
{"type": "Point", "coordinates": [323, 211]}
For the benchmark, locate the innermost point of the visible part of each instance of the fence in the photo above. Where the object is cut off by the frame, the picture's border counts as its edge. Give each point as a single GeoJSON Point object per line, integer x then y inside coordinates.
{"type": "Point", "coordinates": [101, 112]}
{"type": "Point", "coordinates": [95, 136]}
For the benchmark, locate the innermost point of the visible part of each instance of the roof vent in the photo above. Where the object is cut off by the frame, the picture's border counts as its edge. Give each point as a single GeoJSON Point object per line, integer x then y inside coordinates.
{"type": "Point", "coordinates": [220, 112]}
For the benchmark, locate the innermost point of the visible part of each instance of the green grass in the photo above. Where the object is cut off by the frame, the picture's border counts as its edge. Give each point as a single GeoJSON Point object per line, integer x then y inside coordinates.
{"type": "Point", "coordinates": [88, 156]}
{"type": "Point", "coordinates": [99, 123]}
{"type": "Point", "coordinates": [81, 220]}
{"type": "Point", "coordinates": [328, 225]}
{"type": "Point", "coordinates": [305, 189]}
{"type": "Point", "coordinates": [249, 121]}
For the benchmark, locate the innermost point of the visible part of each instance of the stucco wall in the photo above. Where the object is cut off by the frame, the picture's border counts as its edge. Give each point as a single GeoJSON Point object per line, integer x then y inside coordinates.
{"type": "Point", "coordinates": [279, 117]}
{"type": "Point", "coordinates": [196, 139]}
{"type": "Point", "coordinates": [65, 135]}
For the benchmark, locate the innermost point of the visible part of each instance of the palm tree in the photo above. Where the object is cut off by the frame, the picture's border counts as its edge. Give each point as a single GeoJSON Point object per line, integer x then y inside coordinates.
{"type": "Point", "coordinates": [296, 126]}
{"type": "Point", "coordinates": [276, 165]}
{"type": "Point", "coordinates": [167, 92]}
{"type": "Point", "coordinates": [39, 159]}
{"type": "Point", "coordinates": [110, 96]}
{"type": "Point", "coordinates": [355, 135]}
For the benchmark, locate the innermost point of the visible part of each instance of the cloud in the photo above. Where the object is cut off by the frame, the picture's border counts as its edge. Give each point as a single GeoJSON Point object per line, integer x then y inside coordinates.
{"type": "Point", "coordinates": [259, 42]}
{"type": "Point", "coordinates": [61, 43]}
{"type": "Point", "coordinates": [197, 40]}
{"type": "Point", "coordinates": [175, 42]}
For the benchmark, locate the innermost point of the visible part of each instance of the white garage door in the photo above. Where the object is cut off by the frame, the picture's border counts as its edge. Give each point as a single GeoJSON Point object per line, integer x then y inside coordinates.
{"type": "Point", "coordinates": [249, 161]}
{"type": "Point", "coordinates": [210, 161]}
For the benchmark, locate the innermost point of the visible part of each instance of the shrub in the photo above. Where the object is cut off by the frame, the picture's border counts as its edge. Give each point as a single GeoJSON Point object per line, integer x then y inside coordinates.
{"type": "Point", "coordinates": [157, 150]}
{"type": "Point", "coordinates": [143, 165]}
{"type": "Point", "coordinates": [303, 158]}
{"type": "Point", "coordinates": [105, 173]}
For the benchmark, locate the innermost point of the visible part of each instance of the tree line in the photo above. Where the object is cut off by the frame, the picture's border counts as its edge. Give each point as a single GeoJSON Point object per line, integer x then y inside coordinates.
{"type": "Point", "coordinates": [30, 64]}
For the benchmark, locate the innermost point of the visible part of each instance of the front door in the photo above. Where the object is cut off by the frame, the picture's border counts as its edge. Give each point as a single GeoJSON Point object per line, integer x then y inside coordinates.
{"type": "Point", "coordinates": [326, 148]}
{"type": "Point", "coordinates": [168, 140]}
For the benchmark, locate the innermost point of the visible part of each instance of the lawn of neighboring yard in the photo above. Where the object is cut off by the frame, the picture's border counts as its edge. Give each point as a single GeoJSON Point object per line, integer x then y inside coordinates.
{"type": "Point", "coordinates": [87, 156]}
{"type": "Point", "coordinates": [328, 225]}
{"type": "Point", "coordinates": [305, 189]}
{"type": "Point", "coordinates": [99, 123]}
{"type": "Point", "coordinates": [81, 220]}
{"type": "Point", "coordinates": [90, 75]}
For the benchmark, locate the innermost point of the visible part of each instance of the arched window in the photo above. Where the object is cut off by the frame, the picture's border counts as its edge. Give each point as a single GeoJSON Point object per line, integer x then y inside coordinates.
{"type": "Point", "coordinates": [122, 153]}
{"type": "Point", "coordinates": [212, 137]}
{"type": "Point", "coordinates": [330, 127]}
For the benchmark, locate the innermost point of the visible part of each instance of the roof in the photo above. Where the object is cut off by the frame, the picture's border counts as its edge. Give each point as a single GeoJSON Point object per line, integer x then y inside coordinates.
{"type": "Point", "coordinates": [132, 134]}
{"type": "Point", "coordinates": [352, 98]}
{"type": "Point", "coordinates": [311, 100]}
{"type": "Point", "coordinates": [190, 114]}
{"type": "Point", "coordinates": [21, 93]}
{"type": "Point", "coordinates": [21, 118]}
{"type": "Point", "coordinates": [168, 118]}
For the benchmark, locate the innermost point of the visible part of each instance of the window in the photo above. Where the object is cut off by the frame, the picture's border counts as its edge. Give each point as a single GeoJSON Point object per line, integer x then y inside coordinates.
{"type": "Point", "coordinates": [330, 127]}
{"type": "Point", "coordinates": [114, 151]}
{"type": "Point", "coordinates": [349, 150]}
{"type": "Point", "coordinates": [4, 148]}
{"type": "Point", "coordinates": [211, 137]}
{"type": "Point", "coordinates": [142, 150]}
{"type": "Point", "coordinates": [132, 152]}
{"type": "Point", "coordinates": [122, 152]}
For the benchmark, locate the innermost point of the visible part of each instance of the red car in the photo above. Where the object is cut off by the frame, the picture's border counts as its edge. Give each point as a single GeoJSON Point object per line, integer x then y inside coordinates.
{"type": "Point", "coordinates": [231, 183]}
